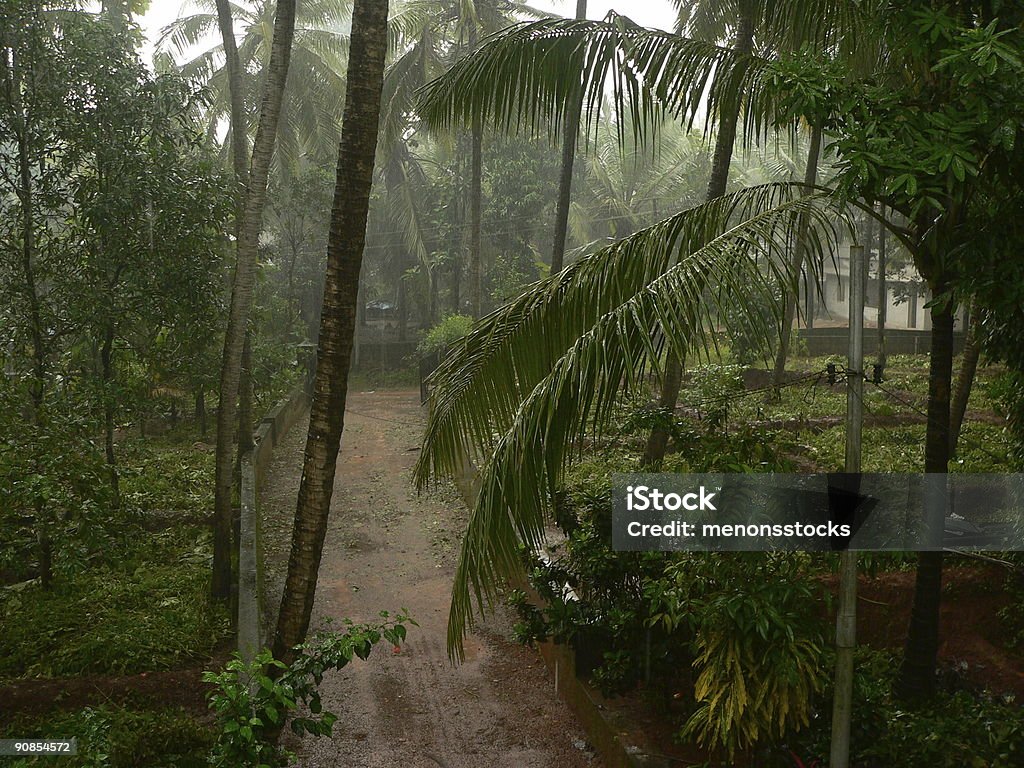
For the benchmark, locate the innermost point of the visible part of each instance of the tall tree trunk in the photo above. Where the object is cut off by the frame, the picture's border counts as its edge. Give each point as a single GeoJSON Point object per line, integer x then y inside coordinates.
{"type": "Point", "coordinates": [107, 376]}
{"type": "Point", "coordinates": [964, 384]}
{"type": "Point", "coordinates": [201, 409]}
{"type": "Point", "coordinates": [245, 398]}
{"type": "Point", "coordinates": [476, 268]}
{"type": "Point", "coordinates": [242, 289]}
{"type": "Point", "coordinates": [917, 673]}
{"type": "Point", "coordinates": [570, 131]}
{"type": "Point", "coordinates": [883, 289]}
{"type": "Point", "coordinates": [657, 441]}
{"type": "Point", "coordinates": [338, 319]}
{"type": "Point", "coordinates": [37, 386]}
{"type": "Point", "coordinates": [799, 253]}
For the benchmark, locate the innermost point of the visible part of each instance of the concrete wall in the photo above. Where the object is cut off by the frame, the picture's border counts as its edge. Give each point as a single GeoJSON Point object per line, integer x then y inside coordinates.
{"type": "Point", "coordinates": [268, 434]}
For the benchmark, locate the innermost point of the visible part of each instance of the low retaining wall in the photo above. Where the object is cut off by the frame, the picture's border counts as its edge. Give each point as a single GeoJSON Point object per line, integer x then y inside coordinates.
{"type": "Point", "coordinates": [603, 726]}
{"type": "Point", "coordinates": [898, 341]}
{"type": "Point", "coordinates": [273, 427]}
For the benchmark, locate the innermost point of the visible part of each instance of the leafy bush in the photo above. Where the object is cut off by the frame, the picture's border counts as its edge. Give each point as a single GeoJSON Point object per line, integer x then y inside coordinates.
{"type": "Point", "coordinates": [758, 641]}
{"type": "Point", "coordinates": [112, 737]}
{"type": "Point", "coordinates": [253, 701]}
{"type": "Point", "coordinates": [150, 611]}
{"type": "Point", "coordinates": [953, 730]}
{"type": "Point", "coordinates": [444, 334]}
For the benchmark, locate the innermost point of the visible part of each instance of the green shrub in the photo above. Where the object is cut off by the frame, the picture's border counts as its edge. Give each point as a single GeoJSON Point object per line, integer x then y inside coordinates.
{"type": "Point", "coordinates": [758, 641]}
{"type": "Point", "coordinates": [953, 730]}
{"type": "Point", "coordinates": [444, 334]}
{"type": "Point", "coordinates": [150, 611]}
{"type": "Point", "coordinates": [113, 737]}
{"type": "Point", "coordinates": [253, 701]}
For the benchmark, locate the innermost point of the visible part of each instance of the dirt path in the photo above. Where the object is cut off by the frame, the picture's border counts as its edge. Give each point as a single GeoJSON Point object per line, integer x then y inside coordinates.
{"type": "Point", "coordinates": [388, 549]}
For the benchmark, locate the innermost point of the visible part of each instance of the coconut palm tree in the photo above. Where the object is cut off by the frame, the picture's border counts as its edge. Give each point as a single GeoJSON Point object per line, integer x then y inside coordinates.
{"type": "Point", "coordinates": [311, 114]}
{"type": "Point", "coordinates": [247, 245]}
{"type": "Point", "coordinates": [337, 323]}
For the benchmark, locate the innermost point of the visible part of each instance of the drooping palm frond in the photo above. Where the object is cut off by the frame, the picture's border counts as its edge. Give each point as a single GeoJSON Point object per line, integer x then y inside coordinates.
{"type": "Point", "coordinates": [522, 390]}
{"type": "Point", "coordinates": [525, 77]}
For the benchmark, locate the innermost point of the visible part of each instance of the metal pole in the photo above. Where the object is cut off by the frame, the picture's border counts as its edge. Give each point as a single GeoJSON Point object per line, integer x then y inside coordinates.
{"type": "Point", "coordinates": [846, 617]}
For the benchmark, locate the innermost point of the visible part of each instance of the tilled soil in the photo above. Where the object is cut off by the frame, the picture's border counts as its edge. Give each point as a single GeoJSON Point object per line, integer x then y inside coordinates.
{"type": "Point", "coordinates": [387, 549]}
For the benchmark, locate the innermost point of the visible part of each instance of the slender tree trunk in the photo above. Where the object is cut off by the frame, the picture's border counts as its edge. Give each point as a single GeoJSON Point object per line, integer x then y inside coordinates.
{"type": "Point", "coordinates": [657, 441]}
{"type": "Point", "coordinates": [242, 289]}
{"type": "Point", "coordinates": [476, 269]}
{"type": "Point", "coordinates": [570, 131]}
{"type": "Point", "coordinates": [917, 673]}
{"type": "Point", "coordinates": [799, 253]}
{"type": "Point", "coordinates": [201, 409]}
{"type": "Point", "coordinates": [37, 387]}
{"type": "Point", "coordinates": [883, 289]}
{"type": "Point", "coordinates": [403, 308]}
{"type": "Point", "coordinates": [338, 319]}
{"type": "Point", "coordinates": [107, 376]}
{"type": "Point", "coordinates": [964, 384]}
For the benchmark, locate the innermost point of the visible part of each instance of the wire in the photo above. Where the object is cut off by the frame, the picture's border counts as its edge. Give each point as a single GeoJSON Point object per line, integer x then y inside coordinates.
{"type": "Point", "coordinates": [382, 418]}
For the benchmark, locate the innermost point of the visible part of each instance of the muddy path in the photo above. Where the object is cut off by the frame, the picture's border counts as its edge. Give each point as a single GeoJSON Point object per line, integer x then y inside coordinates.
{"type": "Point", "coordinates": [386, 549]}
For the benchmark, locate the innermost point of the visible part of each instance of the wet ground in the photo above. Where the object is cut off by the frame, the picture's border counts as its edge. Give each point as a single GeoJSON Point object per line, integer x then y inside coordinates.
{"type": "Point", "coordinates": [386, 549]}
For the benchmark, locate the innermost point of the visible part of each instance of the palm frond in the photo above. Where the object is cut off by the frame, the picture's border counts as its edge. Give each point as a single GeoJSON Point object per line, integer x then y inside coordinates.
{"type": "Point", "coordinates": [535, 376]}
{"type": "Point", "coordinates": [525, 77]}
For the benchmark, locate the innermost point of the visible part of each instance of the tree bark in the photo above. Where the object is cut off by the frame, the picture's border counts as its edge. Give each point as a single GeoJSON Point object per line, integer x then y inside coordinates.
{"type": "Point", "coordinates": [883, 290]}
{"type": "Point", "coordinates": [964, 384]}
{"type": "Point", "coordinates": [338, 319]}
{"type": "Point", "coordinates": [570, 131]}
{"type": "Point", "coordinates": [107, 376]}
{"type": "Point", "coordinates": [799, 253]}
{"type": "Point", "coordinates": [729, 114]}
{"type": "Point", "coordinates": [242, 289]}
{"type": "Point", "coordinates": [476, 269]}
{"type": "Point", "coordinates": [917, 673]}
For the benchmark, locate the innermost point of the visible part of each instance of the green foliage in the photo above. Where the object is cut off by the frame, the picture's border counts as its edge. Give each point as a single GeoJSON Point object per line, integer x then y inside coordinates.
{"type": "Point", "coordinates": [758, 642]}
{"type": "Point", "coordinates": [55, 515]}
{"type": "Point", "coordinates": [954, 729]}
{"type": "Point", "coordinates": [253, 701]}
{"type": "Point", "coordinates": [445, 334]}
{"type": "Point", "coordinates": [149, 610]}
{"type": "Point", "coordinates": [114, 737]}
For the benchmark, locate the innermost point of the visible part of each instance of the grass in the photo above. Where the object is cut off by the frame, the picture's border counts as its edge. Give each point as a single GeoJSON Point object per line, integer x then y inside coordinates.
{"type": "Point", "coordinates": [117, 737]}
{"type": "Point", "coordinates": [139, 600]}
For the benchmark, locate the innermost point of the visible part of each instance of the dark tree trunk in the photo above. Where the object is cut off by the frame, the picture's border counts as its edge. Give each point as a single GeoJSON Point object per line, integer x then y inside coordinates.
{"type": "Point", "coordinates": [917, 673]}
{"type": "Point", "coordinates": [728, 118]}
{"type": "Point", "coordinates": [37, 386]}
{"type": "Point", "coordinates": [883, 290]}
{"type": "Point", "coordinates": [201, 409]}
{"type": "Point", "coordinates": [476, 268]}
{"type": "Point", "coordinates": [242, 289]}
{"type": "Point", "coordinates": [964, 384]}
{"type": "Point", "coordinates": [799, 253]}
{"type": "Point", "coordinates": [338, 319]}
{"type": "Point", "coordinates": [569, 133]}
{"type": "Point", "coordinates": [107, 376]}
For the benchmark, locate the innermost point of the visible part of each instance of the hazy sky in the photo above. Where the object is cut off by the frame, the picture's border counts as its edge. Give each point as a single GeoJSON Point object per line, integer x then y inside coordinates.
{"type": "Point", "coordinates": [649, 13]}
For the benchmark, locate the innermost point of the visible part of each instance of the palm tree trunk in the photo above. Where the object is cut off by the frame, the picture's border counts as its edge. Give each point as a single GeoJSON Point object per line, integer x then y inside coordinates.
{"type": "Point", "coordinates": [476, 270]}
{"type": "Point", "coordinates": [242, 289]}
{"type": "Point", "coordinates": [964, 384]}
{"type": "Point", "coordinates": [799, 252]}
{"type": "Point", "coordinates": [338, 319]}
{"type": "Point", "coordinates": [729, 115]}
{"type": "Point", "coordinates": [569, 133]}
{"type": "Point", "coordinates": [917, 673]}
